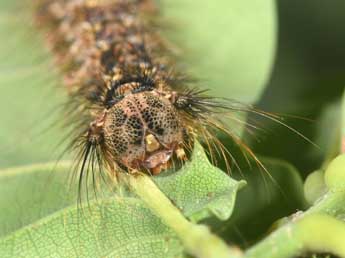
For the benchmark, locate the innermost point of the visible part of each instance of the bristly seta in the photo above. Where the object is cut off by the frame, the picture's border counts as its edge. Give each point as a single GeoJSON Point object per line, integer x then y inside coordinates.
{"type": "Point", "coordinates": [129, 108]}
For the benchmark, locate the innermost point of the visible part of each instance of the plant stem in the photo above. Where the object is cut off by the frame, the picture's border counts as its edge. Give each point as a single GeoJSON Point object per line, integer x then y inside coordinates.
{"type": "Point", "coordinates": [197, 239]}
{"type": "Point", "coordinates": [332, 203]}
{"type": "Point", "coordinates": [316, 232]}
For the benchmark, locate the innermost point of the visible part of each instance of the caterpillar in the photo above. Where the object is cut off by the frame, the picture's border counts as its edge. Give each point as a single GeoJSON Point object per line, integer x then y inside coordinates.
{"type": "Point", "coordinates": [130, 108]}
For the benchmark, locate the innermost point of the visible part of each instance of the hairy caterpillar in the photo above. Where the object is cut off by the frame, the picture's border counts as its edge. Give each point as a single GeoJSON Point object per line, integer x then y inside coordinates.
{"type": "Point", "coordinates": [129, 107]}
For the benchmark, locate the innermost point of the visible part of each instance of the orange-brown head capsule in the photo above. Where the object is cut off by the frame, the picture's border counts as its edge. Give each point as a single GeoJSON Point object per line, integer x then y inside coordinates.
{"type": "Point", "coordinates": [140, 127]}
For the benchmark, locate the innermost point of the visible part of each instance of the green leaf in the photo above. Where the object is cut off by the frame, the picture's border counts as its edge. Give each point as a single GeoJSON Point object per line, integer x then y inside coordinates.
{"type": "Point", "coordinates": [314, 186]}
{"type": "Point", "coordinates": [122, 227]}
{"type": "Point", "coordinates": [30, 100]}
{"type": "Point", "coordinates": [30, 194]}
{"type": "Point", "coordinates": [307, 81]}
{"type": "Point", "coordinates": [199, 189]}
{"type": "Point", "coordinates": [328, 133]}
{"type": "Point", "coordinates": [268, 196]}
{"type": "Point", "coordinates": [228, 44]}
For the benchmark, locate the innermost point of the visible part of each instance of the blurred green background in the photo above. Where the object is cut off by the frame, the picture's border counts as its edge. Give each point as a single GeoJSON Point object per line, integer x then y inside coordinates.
{"type": "Point", "coordinates": [307, 80]}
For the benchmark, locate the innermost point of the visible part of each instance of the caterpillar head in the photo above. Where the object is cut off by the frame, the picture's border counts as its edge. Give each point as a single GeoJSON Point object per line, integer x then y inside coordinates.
{"type": "Point", "coordinates": [142, 131]}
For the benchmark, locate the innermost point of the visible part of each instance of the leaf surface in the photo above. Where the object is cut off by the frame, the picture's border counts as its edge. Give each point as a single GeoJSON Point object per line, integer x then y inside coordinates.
{"type": "Point", "coordinates": [121, 225]}
{"type": "Point", "coordinates": [228, 45]}
{"type": "Point", "coordinates": [200, 190]}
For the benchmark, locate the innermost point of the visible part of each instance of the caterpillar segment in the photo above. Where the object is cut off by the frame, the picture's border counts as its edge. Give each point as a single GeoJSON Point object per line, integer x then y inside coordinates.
{"type": "Point", "coordinates": [120, 76]}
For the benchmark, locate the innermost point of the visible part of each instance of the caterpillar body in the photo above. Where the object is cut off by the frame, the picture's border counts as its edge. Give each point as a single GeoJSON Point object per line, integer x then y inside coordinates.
{"type": "Point", "coordinates": [129, 107]}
